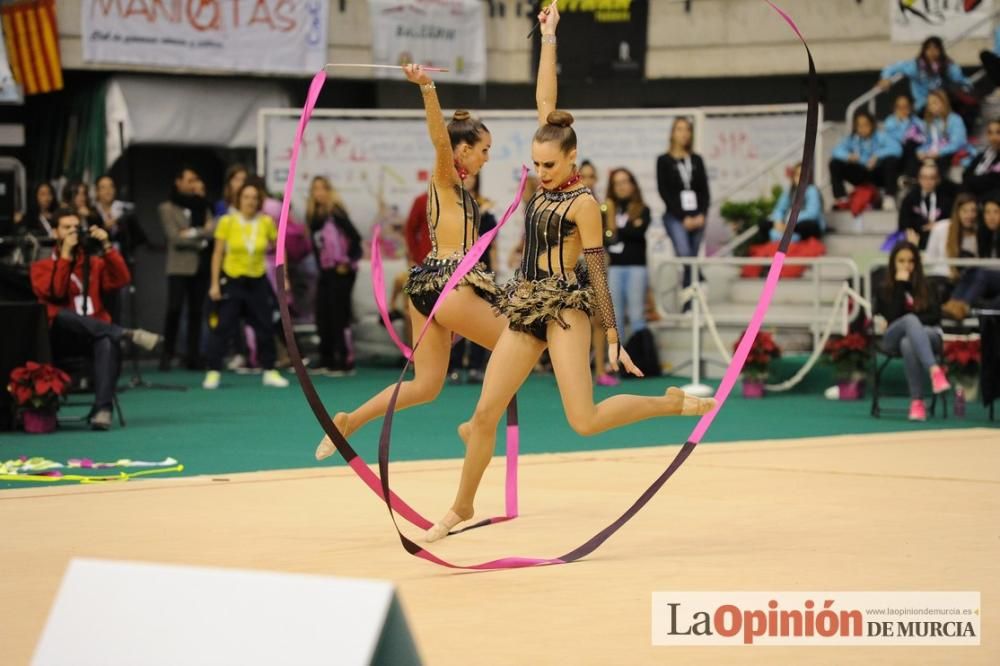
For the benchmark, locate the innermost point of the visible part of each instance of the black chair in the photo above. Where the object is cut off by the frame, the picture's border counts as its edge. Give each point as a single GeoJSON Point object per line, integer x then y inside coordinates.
{"type": "Point", "coordinates": [75, 359]}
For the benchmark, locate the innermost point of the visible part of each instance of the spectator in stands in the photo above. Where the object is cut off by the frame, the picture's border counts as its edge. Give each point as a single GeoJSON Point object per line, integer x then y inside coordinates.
{"type": "Point", "coordinates": [69, 284]}
{"type": "Point", "coordinates": [683, 184]}
{"type": "Point", "coordinates": [598, 340]}
{"type": "Point", "coordinates": [911, 311]}
{"type": "Point", "coordinates": [982, 176]}
{"type": "Point", "coordinates": [906, 128]}
{"type": "Point", "coordinates": [944, 134]}
{"type": "Point", "coordinates": [239, 285]}
{"type": "Point", "coordinates": [866, 155]}
{"type": "Point", "coordinates": [110, 210]}
{"type": "Point", "coordinates": [810, 223]}
{"type": "Point", "coordinates": [924, 205]}
{"type": "Point", "coordinates": [76, 196]}
{"type": "Point", "coordinates": [951, 239]}
{"type": "Point", "coordinates": [236, 175]}
{"type": "Point", "coordinates": [979, 284]}
{"type": "Point", "coordinates": [183, 218]}
{"type": "Point", "coordinates": [931, 70]}
{"type": "Point", "coordinates": [39, 219]}
{"type": "Point", "coordinates": [337, 245]}
{"type": "Point", "coordinates": [627, 218]}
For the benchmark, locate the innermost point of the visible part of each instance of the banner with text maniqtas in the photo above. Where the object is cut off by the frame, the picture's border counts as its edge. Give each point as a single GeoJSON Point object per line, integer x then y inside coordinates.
{"type": "Point", "coordinates": [261, 36]}
{"type": "Point", "coordinates": [438, 33]}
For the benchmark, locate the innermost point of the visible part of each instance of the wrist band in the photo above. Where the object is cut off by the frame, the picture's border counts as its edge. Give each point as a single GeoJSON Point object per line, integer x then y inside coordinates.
{"type": "Point", "coordinates": [549, 39]}
{"type": "Point", "coordinates": [427, 87]}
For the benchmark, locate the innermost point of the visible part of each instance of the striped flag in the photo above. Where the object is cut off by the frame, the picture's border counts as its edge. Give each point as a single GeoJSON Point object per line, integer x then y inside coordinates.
{"type": "Point", "coordinates": [29, 29]}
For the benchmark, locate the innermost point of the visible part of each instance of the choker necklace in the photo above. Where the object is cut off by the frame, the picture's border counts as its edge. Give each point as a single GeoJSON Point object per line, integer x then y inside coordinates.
{"type": "Point", "coordinates": [573, 180]}
{"type": "Point", "coordinates": [463, 173]}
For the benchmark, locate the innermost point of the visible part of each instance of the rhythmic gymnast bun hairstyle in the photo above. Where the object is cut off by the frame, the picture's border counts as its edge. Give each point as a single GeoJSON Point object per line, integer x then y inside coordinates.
{"type": "Point", "coordinates": [558, 127]}
{"type": "Point", "coordinates": [464, 128]}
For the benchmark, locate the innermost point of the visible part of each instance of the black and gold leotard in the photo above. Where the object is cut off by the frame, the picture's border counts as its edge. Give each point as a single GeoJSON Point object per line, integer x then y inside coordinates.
{"type": "Point", "coordinates": [449, 245]}
{"type": "Point", "coordinates": [546, 283]}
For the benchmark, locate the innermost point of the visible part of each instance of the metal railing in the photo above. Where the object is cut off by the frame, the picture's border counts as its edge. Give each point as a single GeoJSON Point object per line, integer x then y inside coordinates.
{"type": "Point", "coordinates": [870, 96]}
{"type": "Point", "coordinates": [813, 322]}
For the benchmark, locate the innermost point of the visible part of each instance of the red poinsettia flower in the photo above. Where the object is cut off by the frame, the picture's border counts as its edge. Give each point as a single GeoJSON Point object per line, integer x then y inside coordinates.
{"type": "Point", "coordinates": [37, 384]}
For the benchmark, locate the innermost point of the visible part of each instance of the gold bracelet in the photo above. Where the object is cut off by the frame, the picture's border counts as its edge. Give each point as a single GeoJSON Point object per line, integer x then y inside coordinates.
{"type": "Point", "coordinates": [427, 87]}
{"type": "Point", "coordinates": [549, 39]}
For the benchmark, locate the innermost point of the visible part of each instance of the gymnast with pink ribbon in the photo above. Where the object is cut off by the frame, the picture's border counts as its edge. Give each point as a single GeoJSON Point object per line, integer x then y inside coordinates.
{"type": "Point", "coordinates": [380, 483]}
{"type": "Point", "coordinates": [461, 148]}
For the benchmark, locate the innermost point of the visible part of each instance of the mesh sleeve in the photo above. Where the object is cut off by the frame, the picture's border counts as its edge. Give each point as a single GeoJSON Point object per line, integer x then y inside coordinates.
{"type": "Point", "coordinates": [598, 272]}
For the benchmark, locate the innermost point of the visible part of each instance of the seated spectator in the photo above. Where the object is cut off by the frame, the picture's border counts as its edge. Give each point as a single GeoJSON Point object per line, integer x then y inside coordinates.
{"type": "Point", "coordinates": [866, 155]}
{"type": "Point", "coordinates": [979, 284]}
{"type": "Point", "coordinates": [923, 206]}
{"type": "Point", "coordinates": [944, 135]}
{"type": "Point", "coordinates": [983, 175]}
{"type": "Point", "coordinates": [69, 284]}
{"type": "Point", "coordinates": [909, 307]}
{"type": "Point", "coordinates": [932, 70]}
{"type": "Point", "coordinates": [904, 127]}
{"type": "Point", "coordinates": [991, 59]}
{"type": "Point", "coordinates": [810, 223]}
{"type": "Point", "coordinates": [951, 239]}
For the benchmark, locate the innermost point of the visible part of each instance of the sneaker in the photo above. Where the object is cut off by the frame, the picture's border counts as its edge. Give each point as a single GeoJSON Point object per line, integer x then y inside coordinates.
{"type": "Point", "coordinates": [273, 378]}
{"type": "Point", "coordinates": [212, 379]}
{"type": "Point", "coordinates": [939, 381]}
{"type": "Point", "coordinates": [144, 339]}
{"type": "Point", "coordinates": [888, 203]}
{"type": "Point", "coordinates": [917, 411]}
{"type": "Point", "coordinates": [101, 420]}
{"type": "Point", "coordinates": [608, 380]}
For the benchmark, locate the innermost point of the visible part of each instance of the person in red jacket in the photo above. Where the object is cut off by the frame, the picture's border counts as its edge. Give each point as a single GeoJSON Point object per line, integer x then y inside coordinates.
{"type": "Point", "coordinates": [69, 284]}
{"type": "Point", "coordinates": [418, 237]}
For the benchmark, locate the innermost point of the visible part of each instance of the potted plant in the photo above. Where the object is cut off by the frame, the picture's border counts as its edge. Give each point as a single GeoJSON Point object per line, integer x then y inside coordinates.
{"type": "Point", "coordinates": [37, 389]}
{"type": "Point", "coordinates": [850, 356]}
{"type": "Point", "coordinates": [963, 358]}
{"type": "Point", "coordinates": [758, 363]}
{"type": "Point", "coordinates": [743, 215]}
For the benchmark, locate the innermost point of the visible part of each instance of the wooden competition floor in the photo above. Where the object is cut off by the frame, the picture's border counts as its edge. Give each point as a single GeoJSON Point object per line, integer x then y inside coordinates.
{"type": "Point", "coordinates": [908, 511]}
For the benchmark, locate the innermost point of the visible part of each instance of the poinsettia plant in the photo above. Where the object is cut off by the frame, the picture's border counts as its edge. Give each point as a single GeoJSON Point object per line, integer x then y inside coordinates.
{"type": "Point", "coordinates": [38, 386]}
{"type": "Point", "coordinates": [963, 357]}
{"type": "Point", "coordinates": [762, 352]}
{"type": "Point", "coordinates": [849, 354]}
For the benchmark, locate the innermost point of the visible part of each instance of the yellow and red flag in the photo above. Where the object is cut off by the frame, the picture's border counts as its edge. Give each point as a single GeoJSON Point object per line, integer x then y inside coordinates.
{"type": "Point", "coordinates": [29, 29]}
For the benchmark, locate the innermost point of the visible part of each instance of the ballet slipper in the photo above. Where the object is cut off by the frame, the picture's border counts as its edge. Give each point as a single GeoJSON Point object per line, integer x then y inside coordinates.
{"type": "Point", "coordinates": [443, 528]}
{"type": "Point", "coordinates": [326, 448]}
{"type": "Point", "coordinates": [691, 405]}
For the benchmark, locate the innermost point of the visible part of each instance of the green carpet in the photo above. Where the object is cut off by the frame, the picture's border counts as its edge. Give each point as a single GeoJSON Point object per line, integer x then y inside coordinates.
{"type": "Point", "coordinates": [244, 427]}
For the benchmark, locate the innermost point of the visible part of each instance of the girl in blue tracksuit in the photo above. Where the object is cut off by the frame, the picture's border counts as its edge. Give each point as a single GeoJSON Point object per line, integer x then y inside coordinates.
{"type": "Point", "coordinates": [905, 127]}
{"type": "Point", "coordinates": [810, 223]}
{"type": "Point", "coordinates": [929, 71]}
{"type": "Point", "coordinates": [866, 155]}
{"type": "Point", "coordinates": [943, 137]}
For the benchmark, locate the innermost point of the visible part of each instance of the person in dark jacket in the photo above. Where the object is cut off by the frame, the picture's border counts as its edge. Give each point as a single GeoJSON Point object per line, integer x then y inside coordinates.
{"type": "Point", "coordinates": [683, 183]}
{"type": "Point", "coordinates": [910, 307]}
{"type": "Point", "coordinates": [924, 205]}
{"type": "Point", "coordinates": [983, 176]}
{"type": "Point", "coordinates": [626, 220]}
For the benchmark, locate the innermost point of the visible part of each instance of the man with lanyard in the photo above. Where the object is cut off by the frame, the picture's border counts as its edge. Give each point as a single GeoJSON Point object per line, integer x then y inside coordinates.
{"type": "Point", "coordinates": [69, 284]}
{"type": "Point", "coordinates": [924, 205]}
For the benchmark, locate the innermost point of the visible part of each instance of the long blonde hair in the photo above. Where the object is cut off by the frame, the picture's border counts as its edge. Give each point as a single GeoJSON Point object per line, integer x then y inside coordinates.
{"type": "Point", "coordinates": [953, 248]}
{"type": "Point", "coordinates": [314, 208]}
{"type": "Point", "coordinates": [942, 97]}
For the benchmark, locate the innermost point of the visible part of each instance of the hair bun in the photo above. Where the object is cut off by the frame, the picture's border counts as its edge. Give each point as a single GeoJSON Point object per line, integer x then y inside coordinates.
{"type": "Point", "coordinates": [460, 115]}
{"type": "Point", "coordinates": [560, 119]}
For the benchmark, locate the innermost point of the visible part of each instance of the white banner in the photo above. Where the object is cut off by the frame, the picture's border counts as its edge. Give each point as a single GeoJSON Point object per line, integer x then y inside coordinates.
{"type": "Point", "coordinates": [389, 158]}
{"type": "Point", "coordinates": [439, 33]}
{"type": "Point", "coordinates": [916, 20]}
{"type": "Point", "coordinates": [262, 36]}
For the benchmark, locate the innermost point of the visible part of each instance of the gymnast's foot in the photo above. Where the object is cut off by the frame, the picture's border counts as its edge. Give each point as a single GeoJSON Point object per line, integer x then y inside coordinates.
{"type": "Point", "coordinates": [326, 447]}
{"type": "Point", "coordinates": [443, 527]}
{"type": "Point", "coordinates": [690, 405]}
